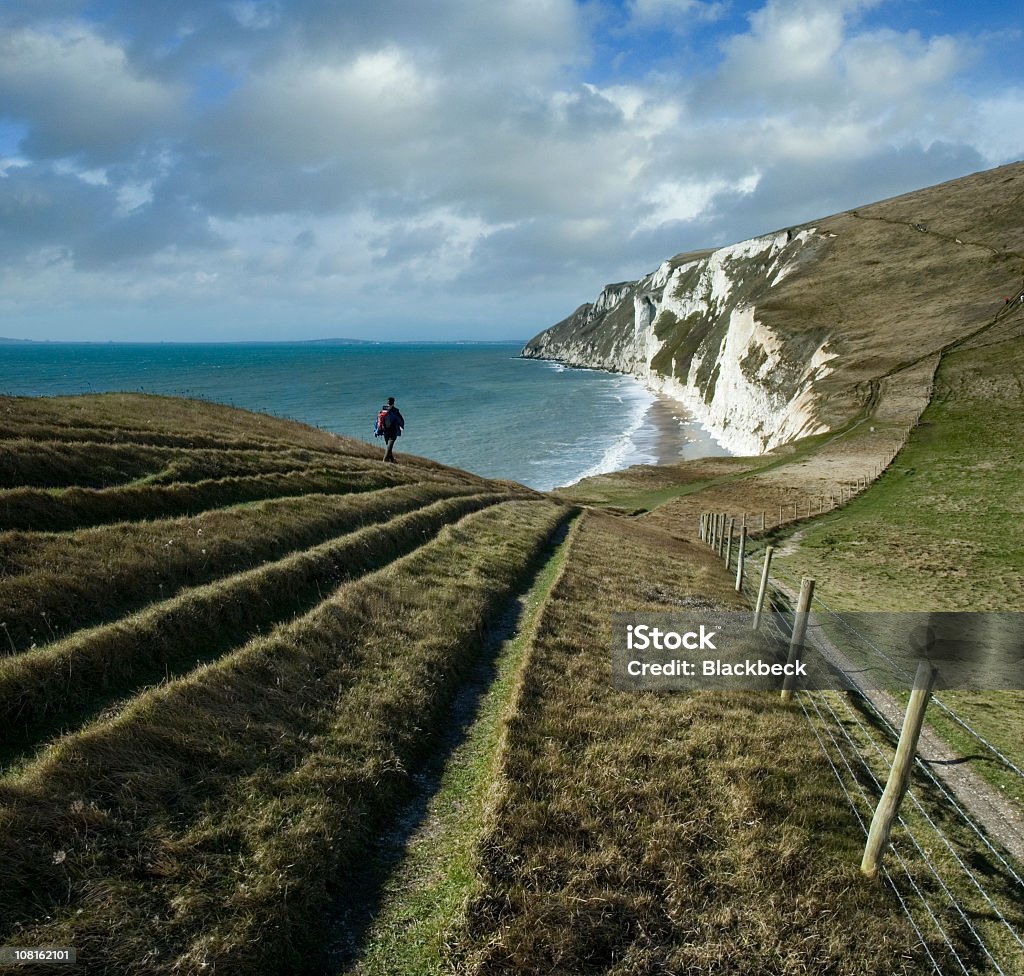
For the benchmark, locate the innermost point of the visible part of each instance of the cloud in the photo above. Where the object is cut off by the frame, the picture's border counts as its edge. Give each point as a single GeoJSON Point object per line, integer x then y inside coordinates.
{"type": "Point", "coordinates": [811, 58]}
{"type": "Point", "coordinates": [675, 14]}
{"type": "Point", "coordinates": [256, 14]}
{"type": "Point", "coordinates": [682, 202]}
{"type": "Point", "coordinates": [42, 209]}
{"type": "Point", "coordinates": [372, 155]}
{"type": "Point", "coordinates": [998, 121]}
{"type": "Point", "coordinates": [79, 95]}
{"type": "Point", "coordinates": [302, 113]}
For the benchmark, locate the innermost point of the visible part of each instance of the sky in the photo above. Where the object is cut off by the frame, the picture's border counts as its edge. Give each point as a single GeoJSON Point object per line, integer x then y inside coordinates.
{"type": "Point", "coordinates": [453, 169]}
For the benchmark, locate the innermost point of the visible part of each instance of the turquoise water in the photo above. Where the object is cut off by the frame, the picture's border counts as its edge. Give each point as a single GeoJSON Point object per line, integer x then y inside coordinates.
{"type": "Point", "coordinates": [475, 406]}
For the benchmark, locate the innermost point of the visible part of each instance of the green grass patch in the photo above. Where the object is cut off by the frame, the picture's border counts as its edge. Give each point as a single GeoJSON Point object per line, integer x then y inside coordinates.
{"type": "Point", "coordinates": [943, 528]}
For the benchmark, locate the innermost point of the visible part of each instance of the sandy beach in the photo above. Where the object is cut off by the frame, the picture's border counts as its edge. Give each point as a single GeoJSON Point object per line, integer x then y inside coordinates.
{"type": "Point", "coordinates": [670, 433]}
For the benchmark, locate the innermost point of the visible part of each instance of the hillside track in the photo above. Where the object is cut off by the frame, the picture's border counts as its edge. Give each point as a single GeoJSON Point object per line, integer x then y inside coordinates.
{"type": "Point", "coordinates": [203, 744]}
{"type": "Point", "coordinates": [641, 833]}
{"type": "Point", "coordinates": [418, 875]}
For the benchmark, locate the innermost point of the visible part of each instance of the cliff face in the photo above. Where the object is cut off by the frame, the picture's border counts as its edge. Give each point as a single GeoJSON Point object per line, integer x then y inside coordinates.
{"type": "Point", "coordinates": [786, 335]}
{"type": "Point", "coordinates": [691, 330]}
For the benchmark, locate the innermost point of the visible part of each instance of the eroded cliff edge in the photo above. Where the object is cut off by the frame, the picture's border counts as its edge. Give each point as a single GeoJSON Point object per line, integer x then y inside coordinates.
{"type": "Point", "coordinates": [788, 334]}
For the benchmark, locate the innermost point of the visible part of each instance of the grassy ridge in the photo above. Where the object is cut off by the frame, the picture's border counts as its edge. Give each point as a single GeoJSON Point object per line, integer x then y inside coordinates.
{"type": "Point", "coordinates": [56, 582]}
{"type": "Point", "coordinates": [91, 464]}
{"type": "Point", "coordinates": [216, 808]}
{"type": "Point", "coordinates": [48, 687]}
{"type": "Point", "coordinates": [73, 508]}
{"type": "Point", "coordinates": [649, 833]}
{"type": "Point", "coordinates": [161, 420]}
{"type": "Point", "coordinates": [57, 464]}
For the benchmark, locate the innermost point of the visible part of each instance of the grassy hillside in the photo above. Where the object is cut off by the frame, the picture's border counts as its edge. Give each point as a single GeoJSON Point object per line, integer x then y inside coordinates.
{"type": "Point", "coordinates": [221, 709]}
{"type": "Point", "coordinates": [901, 279]}
{"type": "Point", "coordinates": [212, 696]}
{"type": "Point", "coordinates": [881, 287]}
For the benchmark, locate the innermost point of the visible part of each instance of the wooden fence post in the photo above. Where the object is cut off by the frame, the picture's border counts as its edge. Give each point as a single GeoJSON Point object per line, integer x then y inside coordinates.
{"type": "Point", "coordinates": [899, 776]}
{"type": "Point", "coordinates": [728, 541]}
{"type": "Point", "coordinates": [780, 515]}
{"type": "Point", "coordinates": [803, 611]}
{"type": "Point", "coordinates": [763, 588]}
{"type": "Point", "coordinates": [764, 516]}
{"type": "Point", "coordinates": [739, 559]}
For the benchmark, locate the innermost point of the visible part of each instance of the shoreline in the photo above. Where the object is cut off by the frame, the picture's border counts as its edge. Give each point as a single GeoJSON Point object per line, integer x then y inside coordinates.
{"type": "Point", "coordinates": [679, 436]}
{"type": "Point", "coordinates": [665, 434]}
{"type": "Point", "coordinates": [668, 432]}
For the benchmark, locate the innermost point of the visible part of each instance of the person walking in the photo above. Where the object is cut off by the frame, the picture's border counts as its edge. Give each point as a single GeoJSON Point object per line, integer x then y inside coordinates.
{"type": "Point", "coordinates": [390, 424]}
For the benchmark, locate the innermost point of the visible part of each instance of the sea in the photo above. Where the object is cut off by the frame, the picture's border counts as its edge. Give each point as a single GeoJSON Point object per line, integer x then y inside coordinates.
{"type": "Point", "coordinates": [476, 406]}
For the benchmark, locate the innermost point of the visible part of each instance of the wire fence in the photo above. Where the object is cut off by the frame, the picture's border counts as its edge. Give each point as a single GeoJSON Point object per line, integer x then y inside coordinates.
{"type": "Point", "coordinates": [961, 890]}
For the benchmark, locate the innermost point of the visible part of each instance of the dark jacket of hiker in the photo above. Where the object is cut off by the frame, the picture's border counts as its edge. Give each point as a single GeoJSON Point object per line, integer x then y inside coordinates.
{"type": "Point", "coordinates": [392, 423]}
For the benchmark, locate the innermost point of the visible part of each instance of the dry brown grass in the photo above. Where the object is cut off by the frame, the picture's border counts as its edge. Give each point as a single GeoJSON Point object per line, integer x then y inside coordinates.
{"type": "Point", "coordinates": [72, 508]}
{"type": "Point", "coordinates": [47, 689]}
{"type": "Point", "coordinates": [160, 420]}
{"type": "Point", "coordinates": [207, 824]}
{"type": "Point", "coordinates": [663, 833]}
{"type": "Point", "coordinates": [54, 583]}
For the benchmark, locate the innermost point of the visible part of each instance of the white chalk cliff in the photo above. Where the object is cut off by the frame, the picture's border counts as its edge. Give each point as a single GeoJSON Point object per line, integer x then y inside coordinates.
{"type": "Point", "coordinates": [691, 330]}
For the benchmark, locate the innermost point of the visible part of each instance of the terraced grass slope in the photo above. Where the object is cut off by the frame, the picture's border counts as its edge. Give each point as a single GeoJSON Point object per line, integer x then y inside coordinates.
{"type": "Point", "coordinates": [662, 833]}
{"type": "Point", "coordinates": [228, 646]}
{"type": "Point", "coordinates": [227, 691]}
